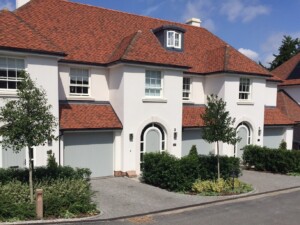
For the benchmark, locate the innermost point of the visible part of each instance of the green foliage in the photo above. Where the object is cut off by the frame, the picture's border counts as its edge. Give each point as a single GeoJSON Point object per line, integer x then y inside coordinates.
{"type": "Point", "coordinates": [168, 172]}
{"type": "Point", "coordinates": [217, 122]}
{"type": "Point", "coordinates": [28, 120]}
{"type": "Point", "coordinates": [51, 162]}
{"type": "Point", "coordinates": [43, 174]}
{"type": "Point", "coordinates": [193, 151]}
{"type": "Point", "coordinates": [15, 202]}
{"type": "Point", "coordinates": [220, 187]}
{"type": "Point", "coordinates": [62, 198]}
{"type": "Point", "coordinates": [283, 145]}
{"type": "Point", "coordinates": [271, 160]}
{"type": "Point", "coordinates": [289, 47]}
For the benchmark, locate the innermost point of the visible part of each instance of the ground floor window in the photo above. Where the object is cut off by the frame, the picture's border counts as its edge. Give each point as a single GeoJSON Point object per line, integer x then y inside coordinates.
{"type": "Point", "coordinates": [153, 139]}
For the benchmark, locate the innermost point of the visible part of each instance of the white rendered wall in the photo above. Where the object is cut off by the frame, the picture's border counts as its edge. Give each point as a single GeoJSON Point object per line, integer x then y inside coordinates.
{"type": "Point", "coordinates": [251, 112]}
{"type": "Point", "coordinates": [98, 81]}
{"type": "Point", "coordinates": [127, 95]}
{"type": "Point", "coordinates": [289, 132]}
{"type": "Point", "coordinates": [197, 89]}
{"type": "Point", "coordinates": [294, 92]}
{"type": "Point", "coordinates": [214, 84]}
{"type": "Point", "coordinates": [45, 72]}
{"type": "Point", "coordinates": [271, 94]}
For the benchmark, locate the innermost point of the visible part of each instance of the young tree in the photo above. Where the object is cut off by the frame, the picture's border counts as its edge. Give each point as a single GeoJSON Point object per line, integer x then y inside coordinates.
{"type": "Point", "coordinates": [27, 121]}
{"type": "Point", "coordinates": [289, 47]}
{"type": "Point", "coordinates": [218, 124]}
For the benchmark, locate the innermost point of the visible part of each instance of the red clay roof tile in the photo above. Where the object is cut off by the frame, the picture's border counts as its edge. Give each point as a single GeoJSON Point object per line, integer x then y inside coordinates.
{"type": "Point", "coordinates": [288, 106]}
{"type": "Point", "coordinates": [274, 117]}
{"type": "Point", "coordinates": [284, 70]}
{"type": "Point", "coordinates": [88, 116]}
{"type": "Point", "coordinates": [96, 35]}
{"type": "Point", "coordinates": [17, 34]}
{"type": "Point", "coordinates": [191, 116]}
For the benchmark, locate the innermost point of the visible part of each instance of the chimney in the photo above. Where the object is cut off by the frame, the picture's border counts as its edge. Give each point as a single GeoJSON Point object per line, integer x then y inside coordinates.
{"type": "Point", "coordinates": [194, 22]}
{"type": "Point", "coordinates": [20, 3]}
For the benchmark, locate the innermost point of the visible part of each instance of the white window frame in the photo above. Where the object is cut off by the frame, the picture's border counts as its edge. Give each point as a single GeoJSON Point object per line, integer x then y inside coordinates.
{"type": "Point", "coordinates": [16, 69]}
{"type": "Point", "coordinates": [150, 87]}
{"type": "Point", "coordinates": [187, 91]}
{"type": "Point", "coordinates": [171, 41]}
{"type": "Point", "coordinates": [77, 78]}
{"type": "Point", "coordinates": [244, 82]}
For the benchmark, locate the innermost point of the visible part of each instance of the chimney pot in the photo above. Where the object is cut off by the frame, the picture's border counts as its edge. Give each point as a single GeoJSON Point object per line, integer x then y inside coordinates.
{"type": "Point", "coordinates": [194, 22]}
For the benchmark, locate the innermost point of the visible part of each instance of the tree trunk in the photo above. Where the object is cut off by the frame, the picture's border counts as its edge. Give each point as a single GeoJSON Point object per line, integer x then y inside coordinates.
{"type": "Point", "coordinates": [218, 158]}
{"type": "Point", "coordinates": [30, 173]}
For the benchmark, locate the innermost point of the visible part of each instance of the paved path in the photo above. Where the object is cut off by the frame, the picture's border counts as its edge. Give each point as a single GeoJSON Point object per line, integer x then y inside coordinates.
{"type": "Point", "coordinates": [117, 197]}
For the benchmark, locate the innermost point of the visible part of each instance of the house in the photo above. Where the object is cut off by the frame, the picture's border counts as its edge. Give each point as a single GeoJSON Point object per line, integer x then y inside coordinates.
{"type": "Point", "coordinates": [289, 93]}
{"type": "Point", "coordinates": [122, 85]}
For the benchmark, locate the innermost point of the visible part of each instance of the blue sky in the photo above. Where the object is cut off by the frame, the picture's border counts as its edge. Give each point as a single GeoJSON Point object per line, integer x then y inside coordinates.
{"type": "Point", "coordinates": [255, 27]}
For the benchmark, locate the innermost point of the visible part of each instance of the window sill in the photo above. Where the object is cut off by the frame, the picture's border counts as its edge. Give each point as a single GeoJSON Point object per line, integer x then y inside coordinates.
{"type": "Point", "coordinates": [86, 98]}
{"type": "Point", "coordinates": [245, 103]}
{"type": "Point", "coordinates": [5, 93]}
{"type": "Point", "coordinates": [188, 101]}
{"type": "Point", "coordinates": [155, 100]}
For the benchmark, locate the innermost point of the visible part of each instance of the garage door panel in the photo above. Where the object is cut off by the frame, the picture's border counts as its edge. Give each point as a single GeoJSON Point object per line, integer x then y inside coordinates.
{"type": "Point", "coordinates": [90, 150]}
{"type": "Point", "coordinates": [194, 137]}
{"type": "Point", "coordinates": [273, 137]}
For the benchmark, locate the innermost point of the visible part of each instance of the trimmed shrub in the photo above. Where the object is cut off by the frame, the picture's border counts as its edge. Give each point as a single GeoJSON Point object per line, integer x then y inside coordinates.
{"type": "Point", "coordinates": [62, 198]}
{"type": "Point", "coordinates": [68, 196]}
{"type": "Point", "coordinates": [168, 172]}
{"type": "Point", "coordinates": [15, 202]}
{"type": "Point", "coordinates": [271, 160]}
{"type": "Point", "coordinates": [221, 186]}
{"type": "Point", "coordinates": [43, 174]}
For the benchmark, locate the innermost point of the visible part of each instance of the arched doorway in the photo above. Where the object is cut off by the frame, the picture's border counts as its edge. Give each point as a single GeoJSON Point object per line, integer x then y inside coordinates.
{"type": "Point", "coordinates": [153, 139]}
{"type": "Point", "coordinates": [244, 132]}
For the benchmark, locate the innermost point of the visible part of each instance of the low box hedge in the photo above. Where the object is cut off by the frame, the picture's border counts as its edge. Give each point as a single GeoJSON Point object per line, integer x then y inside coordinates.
{"type": "Point", "coordinates": [271, 160]}
{"type": "Point", "coordinates": [168, 172]}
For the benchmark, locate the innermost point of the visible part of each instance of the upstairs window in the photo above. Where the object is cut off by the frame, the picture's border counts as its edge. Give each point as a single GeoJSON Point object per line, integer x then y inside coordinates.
{"type": "Point", "coordinates": [186, 94]}
{"type": "Point", "coordinates": [153, 83]}
{"type": "Point", "coordinates": [10, 70]}
{"type": "Point", "coordinates": [245, 89]}
{"type": "Point", "coordinates": [173, 39]}
{"type": "Point", "coordinates": [79, 82]}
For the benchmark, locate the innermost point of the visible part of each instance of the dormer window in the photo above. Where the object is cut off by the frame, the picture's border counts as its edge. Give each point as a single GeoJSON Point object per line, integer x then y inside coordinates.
{"type": "Point", "coordinates": [173, 39]}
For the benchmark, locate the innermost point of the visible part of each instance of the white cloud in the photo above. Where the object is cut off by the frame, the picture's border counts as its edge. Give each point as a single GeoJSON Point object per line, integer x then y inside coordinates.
{"type": "Point", "coordinates": [152, 9]}
{"type": "Point", "coordinates": [249, 53]}
{"type": "Point", "coordinates": [239, 9]}
{"type": "Point", "coordinates": [8, 4]}
{"type": "Point", "coordinates": [201, 9]}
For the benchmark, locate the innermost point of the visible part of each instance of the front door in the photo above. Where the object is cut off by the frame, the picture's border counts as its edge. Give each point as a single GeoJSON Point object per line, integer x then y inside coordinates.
{"type": "Point", "coordinates": [243, 132]}
{"type": "Point", "coordinates": [153, 139]}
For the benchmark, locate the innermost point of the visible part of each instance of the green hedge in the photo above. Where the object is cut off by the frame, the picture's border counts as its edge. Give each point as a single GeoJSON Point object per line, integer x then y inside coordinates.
{"type": "Point", "coordinates": [43, 174]}
{"type": "Point", "coordinates": [271, 160]}
{"type": "Point", "coordinates": [168, 172]}
{"type": "Point", "coordinates": [62, 198]}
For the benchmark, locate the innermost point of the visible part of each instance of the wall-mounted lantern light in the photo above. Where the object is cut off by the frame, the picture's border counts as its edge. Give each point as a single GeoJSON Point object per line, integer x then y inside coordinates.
{"type": "Point", "coordinates": [175, 134]}
{"type": "Point", "coordinates": [131, 137]}
{"type": "Point", "coordinates": [259, 131]}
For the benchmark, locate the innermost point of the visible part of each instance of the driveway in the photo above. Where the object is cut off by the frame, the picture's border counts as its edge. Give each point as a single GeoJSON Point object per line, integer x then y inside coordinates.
{"type": "Point", "coordinates": [117, 197]}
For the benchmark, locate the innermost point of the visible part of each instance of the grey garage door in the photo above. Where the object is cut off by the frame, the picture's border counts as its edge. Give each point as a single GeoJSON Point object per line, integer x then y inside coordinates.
{"type": "Point", "coordinates": [93, 150]}
{"type": "Point", "coordinates": [194, 137]}
{"type": "Point", "coordinates": [273, 137]}
{"type": "Point", "coordinates": [10, 159]}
